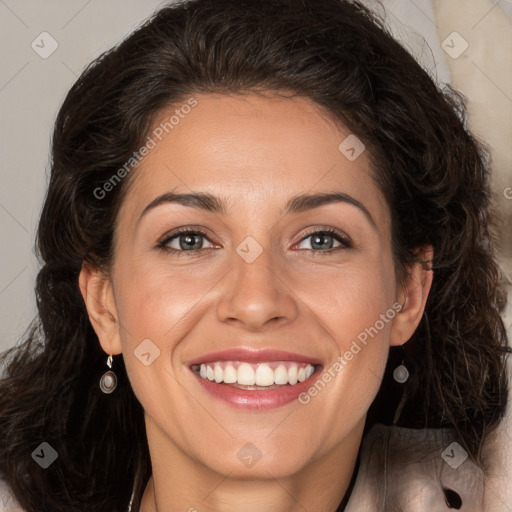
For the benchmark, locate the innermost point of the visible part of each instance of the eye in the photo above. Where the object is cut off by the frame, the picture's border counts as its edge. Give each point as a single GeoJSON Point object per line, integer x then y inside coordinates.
{"type": "Point", "coordinates": [185, 240]}
{"type": "Point", "coordinates": [325, 240]}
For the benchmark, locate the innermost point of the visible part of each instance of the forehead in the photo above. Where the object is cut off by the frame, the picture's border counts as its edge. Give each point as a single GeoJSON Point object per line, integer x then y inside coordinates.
{"type": "Point", "coordinates": [252, 149]}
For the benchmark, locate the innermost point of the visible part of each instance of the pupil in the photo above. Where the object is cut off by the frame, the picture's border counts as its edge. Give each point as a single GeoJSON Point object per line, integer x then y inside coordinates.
{"type": "Point", "coordinates": [319, 238]}
{"type": "Point", "coordinates": [189, 241]}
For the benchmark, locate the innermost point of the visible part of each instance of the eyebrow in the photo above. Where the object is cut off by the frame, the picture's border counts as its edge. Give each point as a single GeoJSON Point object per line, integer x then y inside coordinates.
{"type": "Point", "coordinates": [296, 204]}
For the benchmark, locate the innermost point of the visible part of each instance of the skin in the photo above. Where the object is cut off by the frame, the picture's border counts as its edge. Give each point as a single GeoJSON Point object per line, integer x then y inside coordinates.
{"type": "Point", "coordinates": [256, 152]}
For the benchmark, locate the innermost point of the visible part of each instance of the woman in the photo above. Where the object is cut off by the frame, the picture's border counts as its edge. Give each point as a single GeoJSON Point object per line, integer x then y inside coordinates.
{"type": "Point", "coordinates": [265, 258]}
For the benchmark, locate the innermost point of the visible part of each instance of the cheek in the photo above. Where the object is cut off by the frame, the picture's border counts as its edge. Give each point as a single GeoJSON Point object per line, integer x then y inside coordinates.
{"type": "Point", "coordinates": [354, 306]}
{"type": "Point", "coordinates": [155, 301]}
{"type": "Point", "coordinates": [349, 300]}
{"type": "Point", "coordinates": [156, 310]}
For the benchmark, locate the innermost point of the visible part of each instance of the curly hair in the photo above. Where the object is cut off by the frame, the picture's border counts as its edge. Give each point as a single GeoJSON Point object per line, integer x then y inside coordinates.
{"type": "Point", "coordinates": [431, 170]}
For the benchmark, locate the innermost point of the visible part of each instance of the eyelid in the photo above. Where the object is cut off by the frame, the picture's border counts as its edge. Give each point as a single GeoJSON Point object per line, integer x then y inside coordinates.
{"type": "Point", "coordinates": [176, 232]}
{"type": "Point", "coordinates": [342, 237]}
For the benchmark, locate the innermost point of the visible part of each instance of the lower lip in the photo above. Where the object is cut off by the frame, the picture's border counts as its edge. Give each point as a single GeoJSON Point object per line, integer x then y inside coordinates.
{"type": "Point", "coordinates": [256, 399]}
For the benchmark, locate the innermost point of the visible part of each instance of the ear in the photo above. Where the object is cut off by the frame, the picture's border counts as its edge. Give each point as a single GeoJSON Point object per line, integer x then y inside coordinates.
{"type": "Point", "coordinates": [98, 295]}
{"type": "Point", "coordinates": [413, 296]}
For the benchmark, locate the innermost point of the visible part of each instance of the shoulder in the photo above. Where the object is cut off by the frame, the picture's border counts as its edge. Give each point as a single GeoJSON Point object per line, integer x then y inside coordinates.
{"type": "Point", "coordinates": [7, 501]}
{"type": "Point", "coordinates": [416, 470]}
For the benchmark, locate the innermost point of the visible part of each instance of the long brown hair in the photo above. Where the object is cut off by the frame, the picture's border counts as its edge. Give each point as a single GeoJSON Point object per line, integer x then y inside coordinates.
{"type": "Point", "coordinates": [431, 170]}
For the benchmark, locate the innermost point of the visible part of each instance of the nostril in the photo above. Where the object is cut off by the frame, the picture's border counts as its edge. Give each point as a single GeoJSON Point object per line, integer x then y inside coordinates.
{"type": "Point", "coordinates": [453, 499]}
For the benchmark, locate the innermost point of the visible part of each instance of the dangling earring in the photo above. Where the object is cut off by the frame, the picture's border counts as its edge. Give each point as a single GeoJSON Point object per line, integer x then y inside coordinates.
{"type": "Point", "coordinates": [401, 373]}
{"type": "Point", "coordinates": [108, 381]}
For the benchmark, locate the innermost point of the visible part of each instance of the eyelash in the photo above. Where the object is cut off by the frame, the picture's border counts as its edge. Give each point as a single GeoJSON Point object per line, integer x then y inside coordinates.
{"type": "Point", "coordinates": [344, 240]}
{"type": "Point", "coordinates": [162, 245]}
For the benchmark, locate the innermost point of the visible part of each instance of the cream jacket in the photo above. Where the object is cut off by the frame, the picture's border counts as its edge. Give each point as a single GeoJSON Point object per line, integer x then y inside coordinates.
{"type": "Point", "coordinates": [410, 470]}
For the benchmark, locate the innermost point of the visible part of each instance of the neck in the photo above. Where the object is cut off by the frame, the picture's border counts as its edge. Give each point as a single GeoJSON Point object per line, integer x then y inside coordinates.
{"type": "Point", "coordinates": [180, 483]}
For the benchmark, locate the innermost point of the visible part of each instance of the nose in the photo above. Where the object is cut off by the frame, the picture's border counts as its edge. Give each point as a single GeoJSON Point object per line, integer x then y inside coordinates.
{"type": "Point", "coordinates": [255, 295]}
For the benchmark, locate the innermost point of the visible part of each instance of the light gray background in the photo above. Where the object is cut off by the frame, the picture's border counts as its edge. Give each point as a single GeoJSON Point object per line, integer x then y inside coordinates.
{"type": "Point", "coordinates": [31, 92]}
{"type": "Point", "coordinates": [32, 89]}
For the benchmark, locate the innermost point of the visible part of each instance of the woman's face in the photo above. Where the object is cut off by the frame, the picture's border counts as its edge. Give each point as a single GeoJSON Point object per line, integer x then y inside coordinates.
{"type": "Point", "coordinates": [264, 295]}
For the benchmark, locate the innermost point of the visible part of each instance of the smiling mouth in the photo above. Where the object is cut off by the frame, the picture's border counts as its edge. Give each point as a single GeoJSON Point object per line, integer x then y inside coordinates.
{"type": "Point", "coordinates": [255, 376]}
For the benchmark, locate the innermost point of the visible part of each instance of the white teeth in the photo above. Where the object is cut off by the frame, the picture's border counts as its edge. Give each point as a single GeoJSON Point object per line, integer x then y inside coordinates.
{"type": "Point", "coordinates": [246, 375]}
{"type": "Point", "coordinates": [281, 375]}
{"type": "Point", "coordinates": [292, 374]}
{"type": "Point", "coordinates": [262, 374]}
{"type": "Point", "coordinates": [230, 374]}
{"type": "Point", "coordinates": [219, 374]}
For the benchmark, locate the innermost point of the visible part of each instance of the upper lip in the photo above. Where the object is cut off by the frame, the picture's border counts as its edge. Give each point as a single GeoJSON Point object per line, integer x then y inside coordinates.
{"type": "Point", "coordinates": [254, 356]}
